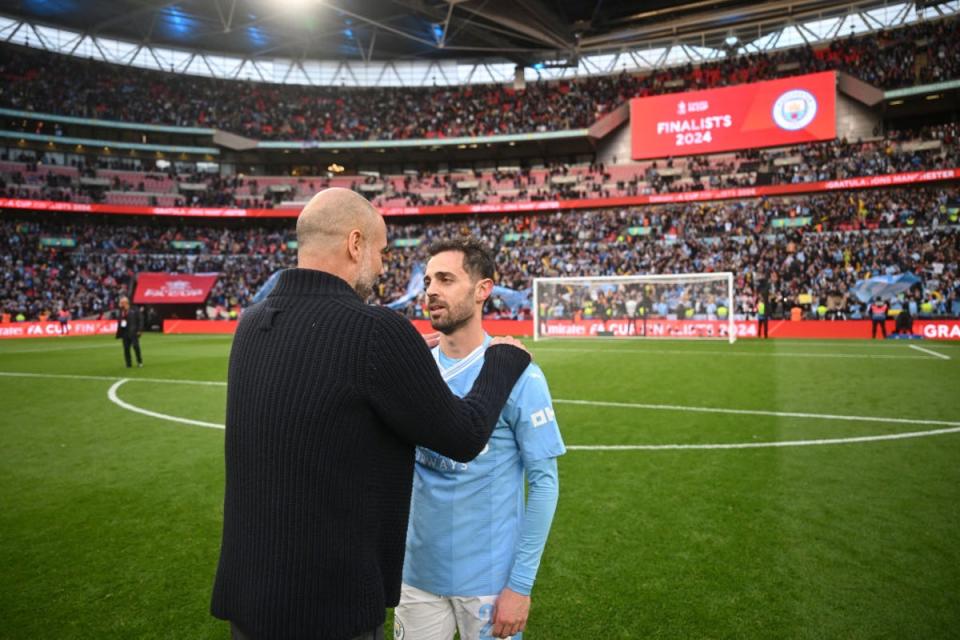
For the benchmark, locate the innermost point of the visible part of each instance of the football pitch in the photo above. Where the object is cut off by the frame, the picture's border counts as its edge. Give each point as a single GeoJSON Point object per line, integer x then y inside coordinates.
{"type": "Point", "coordinates": [781, 489]}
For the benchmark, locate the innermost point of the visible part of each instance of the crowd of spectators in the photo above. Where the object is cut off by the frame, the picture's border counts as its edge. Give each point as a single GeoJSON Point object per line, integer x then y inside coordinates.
{"type": "Point", "coordinates": [929, 148]}
{"type": "Point", "coordinates": [48, 83]}
{"type": "Point", "coordinates": [815, 246]}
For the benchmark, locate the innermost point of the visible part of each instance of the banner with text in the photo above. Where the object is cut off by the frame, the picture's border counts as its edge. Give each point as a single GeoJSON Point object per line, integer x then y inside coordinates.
{"type": "Point", "coordinates": [761, 114]}
{"type": "Point", "coordinates": [173, 288]}
{"type": "Point", "coordinates": [706, 195]}
{"type": "Point", "coordinates": [54, 329]}
{"type": "Point", "coordinates": [652, 328]}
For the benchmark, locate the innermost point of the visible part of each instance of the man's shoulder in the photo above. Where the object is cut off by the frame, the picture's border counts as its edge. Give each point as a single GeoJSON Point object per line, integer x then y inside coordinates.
{"type": "Point", "coordinates": [387, 319]}
{"type": "Point", "coordinates": [532, 382]}
{"type": "Point", "coordinates": [533, 373]}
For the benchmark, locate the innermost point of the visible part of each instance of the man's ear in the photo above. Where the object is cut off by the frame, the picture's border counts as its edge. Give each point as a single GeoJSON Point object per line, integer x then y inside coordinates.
{"type": "Point", "coordinates": [355, 245]}
{"type": "Point", "coordinates": [484, 289]}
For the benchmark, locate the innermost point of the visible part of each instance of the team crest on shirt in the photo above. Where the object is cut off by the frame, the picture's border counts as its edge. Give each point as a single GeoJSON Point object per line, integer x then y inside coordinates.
{"type": "Point", "coordinates": [398, 631]}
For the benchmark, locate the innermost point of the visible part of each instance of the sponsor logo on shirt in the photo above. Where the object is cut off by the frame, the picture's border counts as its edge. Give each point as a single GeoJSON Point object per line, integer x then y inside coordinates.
{"type": "Point", "coordinates": [434, 460]}
{"type": "Point", "coordinates": [542, 417]}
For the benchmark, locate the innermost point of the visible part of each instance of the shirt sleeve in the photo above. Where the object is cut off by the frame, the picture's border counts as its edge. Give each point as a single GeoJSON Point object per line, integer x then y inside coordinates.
{"type": "Point", "coordinates": [409, 395]}
{"type": "Point", "coordinates": [542, 498]}
{"type": "Point", "coordinates": [530, 412]}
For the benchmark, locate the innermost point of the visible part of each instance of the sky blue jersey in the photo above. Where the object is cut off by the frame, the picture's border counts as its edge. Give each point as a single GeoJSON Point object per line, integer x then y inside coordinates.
{"type": "Point", "coordinates": [465, 517]}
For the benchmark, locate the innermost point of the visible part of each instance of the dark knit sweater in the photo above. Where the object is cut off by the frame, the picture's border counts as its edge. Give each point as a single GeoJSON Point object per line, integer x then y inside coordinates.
{"type": "Point", "coordinates": [326, 398]}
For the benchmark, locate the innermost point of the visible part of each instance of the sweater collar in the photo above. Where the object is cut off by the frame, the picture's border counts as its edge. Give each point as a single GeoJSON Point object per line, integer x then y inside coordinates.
{"type": "Point", "coordinates": [305, 282]}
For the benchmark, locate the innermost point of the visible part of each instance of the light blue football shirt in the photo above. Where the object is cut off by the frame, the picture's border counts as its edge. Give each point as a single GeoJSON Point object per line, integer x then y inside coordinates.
{"type": "Point", "coordinates": [465, 517]}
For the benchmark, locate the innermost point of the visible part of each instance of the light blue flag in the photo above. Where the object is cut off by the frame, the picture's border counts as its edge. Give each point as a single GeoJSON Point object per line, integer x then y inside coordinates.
{"type": "Point", "coordinates": [886, 287]}
{"type": "Point", "coordinates": [267, 287]}
{"type": "Point", "coordinates": [414, 288]}
{"type": "Point", "coordinates": [513, 298]}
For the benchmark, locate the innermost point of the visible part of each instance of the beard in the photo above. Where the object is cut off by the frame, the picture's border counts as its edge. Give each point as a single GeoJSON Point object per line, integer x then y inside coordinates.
{"type": "Point", "coordinates": [364, 285]}
{"type": "Point", "coordinates": [366, 280]}
{"type": "Point", "coordinates": [456, 316]}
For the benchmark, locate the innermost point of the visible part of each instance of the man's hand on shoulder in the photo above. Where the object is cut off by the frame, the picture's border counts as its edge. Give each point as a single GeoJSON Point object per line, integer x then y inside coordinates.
{"type": "Point", "coordinates": [510, 612]}
{"type": "Point", "coordinates": [510, 341]}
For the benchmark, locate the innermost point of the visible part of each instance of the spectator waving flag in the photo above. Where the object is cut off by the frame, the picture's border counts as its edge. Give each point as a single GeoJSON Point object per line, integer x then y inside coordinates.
{"type": "Point", "coordinates": [414, 287]}
{"type": "Point", "coordinates": [267, 287]}
{"type": "Point", "coordinates": [885, 287]}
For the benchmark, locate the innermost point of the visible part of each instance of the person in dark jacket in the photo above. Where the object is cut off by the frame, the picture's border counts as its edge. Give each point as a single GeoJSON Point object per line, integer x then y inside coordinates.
{"type": "Point", "coordinates": [129, 327]}
{"type": "Point", "coordinates": [326, 399]}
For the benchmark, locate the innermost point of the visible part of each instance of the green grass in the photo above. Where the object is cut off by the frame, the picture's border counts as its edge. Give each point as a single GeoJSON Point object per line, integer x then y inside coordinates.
{"type": "Point", "coordinates": [110, 520]}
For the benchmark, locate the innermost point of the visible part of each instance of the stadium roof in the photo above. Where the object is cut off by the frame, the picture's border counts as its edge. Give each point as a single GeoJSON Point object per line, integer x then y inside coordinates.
{"type": "Point", "coordinates": [414, 42]}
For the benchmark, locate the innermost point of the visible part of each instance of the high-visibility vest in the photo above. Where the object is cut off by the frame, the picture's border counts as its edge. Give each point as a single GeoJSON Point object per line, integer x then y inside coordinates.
{"type": "Point", "coordinates": [822, 310]}
{"type": "Point", "coordinates": [926, 307]}
{"type": "Point", "coordinates": [722, 312]}
{"type": "Point", "coordinates": [761, 308]}
{"type": "Point", "coordinates": [688, 313]}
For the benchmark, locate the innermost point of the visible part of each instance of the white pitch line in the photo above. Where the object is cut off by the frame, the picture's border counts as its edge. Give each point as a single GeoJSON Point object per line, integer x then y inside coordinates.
{"type": "Point", "coordinates": [758, 412]}
{"type": "Point", "coordinates": [112, 395]}
{"type": "Point", "coordinates": [686, 352]}
{"type": "Point", "coordinates": [68, 376]}
{"type": "Point", "coordinates": [639, 343]}
{"type": "Point", "coordinates": [933, 353]}
{"type": "Point", "coordinates": [954, 426]}
{"type": "Point", "coordinates": [762, 445]}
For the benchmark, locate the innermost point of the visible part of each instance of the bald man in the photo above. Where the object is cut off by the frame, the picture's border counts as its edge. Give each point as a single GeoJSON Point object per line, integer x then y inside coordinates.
{"type": "Point", "coordinates": [326, 399]}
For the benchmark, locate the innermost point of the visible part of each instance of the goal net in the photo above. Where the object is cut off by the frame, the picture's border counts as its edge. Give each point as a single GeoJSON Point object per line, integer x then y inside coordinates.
{"type": "Point", "coordinates": [688, 305]}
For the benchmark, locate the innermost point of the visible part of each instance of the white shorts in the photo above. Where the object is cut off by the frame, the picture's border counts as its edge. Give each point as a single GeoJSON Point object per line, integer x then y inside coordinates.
{"type": "Point", "coordinates": [425, 616]}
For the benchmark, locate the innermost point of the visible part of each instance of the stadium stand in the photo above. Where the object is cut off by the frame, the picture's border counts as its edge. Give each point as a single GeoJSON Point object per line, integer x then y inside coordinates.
{"type": "Point", "coordinates": [819, 244]}
{"type": "Point", "coordinates": [931, 147]}
{"type": "Point", "coordinates": [838, 239]}
{"type": "Point", "coordinates": [33, 81]}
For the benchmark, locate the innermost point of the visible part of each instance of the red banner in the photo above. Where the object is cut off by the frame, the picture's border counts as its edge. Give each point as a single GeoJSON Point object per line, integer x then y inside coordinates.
{"type": "Point", "coordinates": [199, 326]}
{"type": "Point", "coordinates": [937, 329]}
{"type": "Point", "coordinates": [773, 113]}
{"type": "Point", "coordinates": [818, 329]}
{"type": "Point", "coordinates": [802, 329]}
{"type": "Point", "coordinates": [889, 180]}
{"type": "Point", "coordinates": [493, 327]}
{"type": "Point", "coordinates": [53, 329]}
{"type": "Point", "coordinates": [173, 288]}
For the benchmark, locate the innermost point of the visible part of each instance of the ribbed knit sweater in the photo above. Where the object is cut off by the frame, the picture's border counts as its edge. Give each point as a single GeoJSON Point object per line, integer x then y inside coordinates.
{"type": "Point", "coordinates": [326, 399]}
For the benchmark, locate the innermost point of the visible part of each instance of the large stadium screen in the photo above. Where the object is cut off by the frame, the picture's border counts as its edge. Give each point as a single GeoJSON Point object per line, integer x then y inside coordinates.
{"type": "Point", "coordinates": [762, 114]}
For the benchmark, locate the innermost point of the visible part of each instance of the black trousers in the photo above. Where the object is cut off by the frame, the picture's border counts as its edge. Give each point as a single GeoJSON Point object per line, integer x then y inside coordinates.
{"type": "Point", "coordinates": [131, 341]}
{"type": "Point", "coordinates": [883, 327]}
{"type": "Point", "coordinates": [763, 327]}
{"type": "Point", "coordinates": [236, 633]}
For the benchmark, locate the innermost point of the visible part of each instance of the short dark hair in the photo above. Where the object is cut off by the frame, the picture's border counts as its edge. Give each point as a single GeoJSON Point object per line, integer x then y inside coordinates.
{"type": "Point", "coordinates": [477, 259]}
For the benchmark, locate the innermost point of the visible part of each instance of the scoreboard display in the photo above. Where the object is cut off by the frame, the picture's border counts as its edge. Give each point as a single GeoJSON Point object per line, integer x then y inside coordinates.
{"type": "Point", "coordinates": [762, 114]}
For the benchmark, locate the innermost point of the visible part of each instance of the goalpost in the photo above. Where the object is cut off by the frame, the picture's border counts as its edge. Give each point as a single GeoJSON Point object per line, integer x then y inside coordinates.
{"type": "Point", "coordinates": [681, 305]}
